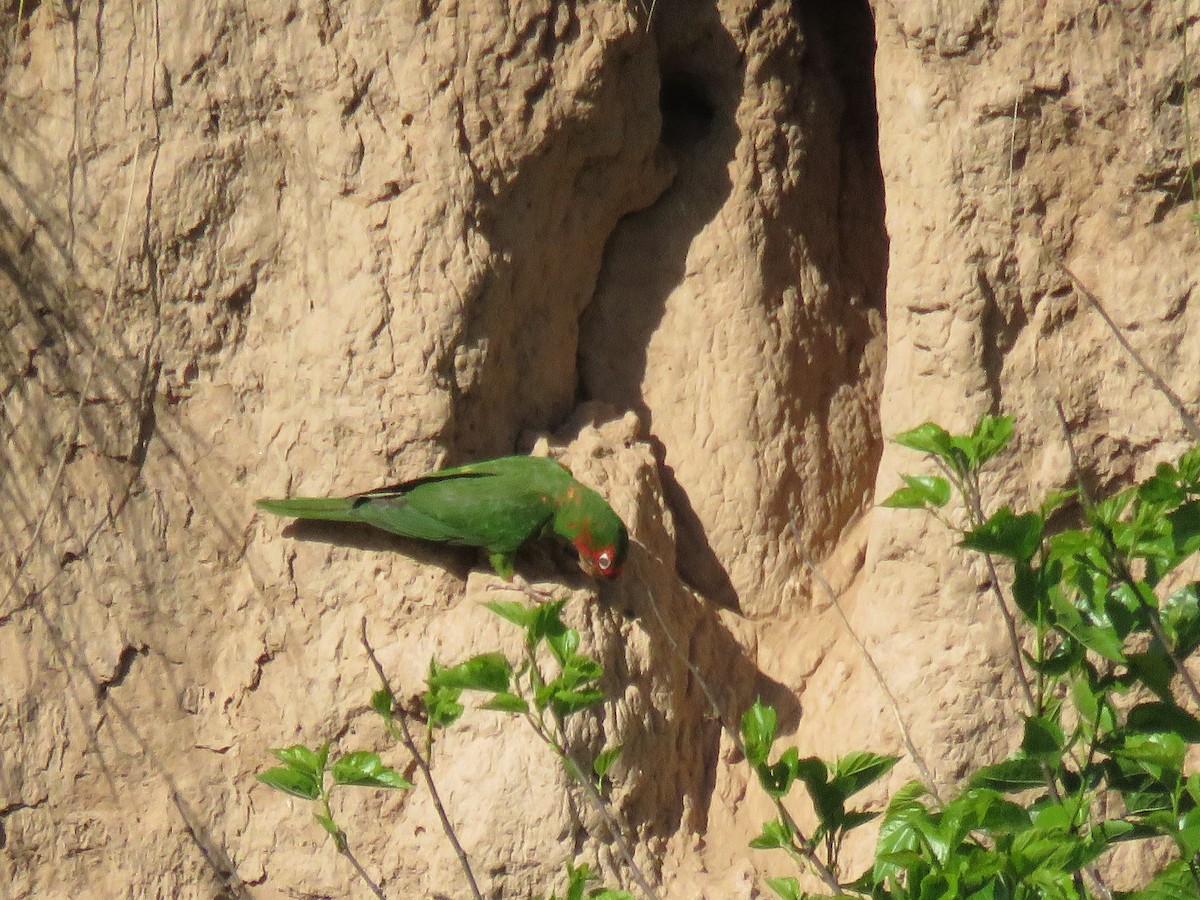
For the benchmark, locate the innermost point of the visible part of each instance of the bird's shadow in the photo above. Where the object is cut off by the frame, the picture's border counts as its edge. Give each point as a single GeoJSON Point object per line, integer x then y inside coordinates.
{"type": "Point", "coordinates": [456, 561]}
{"type": "Point", "coordinates": [548, 560]}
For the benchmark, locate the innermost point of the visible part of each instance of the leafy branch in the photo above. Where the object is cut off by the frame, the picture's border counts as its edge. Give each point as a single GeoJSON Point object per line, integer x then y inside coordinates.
{"type": "Point", "coordinates": [303, 775]}
{"type": "Point", "coordinates": [395, 720]}
{"type": "Point", "coordinates": [543, 697]}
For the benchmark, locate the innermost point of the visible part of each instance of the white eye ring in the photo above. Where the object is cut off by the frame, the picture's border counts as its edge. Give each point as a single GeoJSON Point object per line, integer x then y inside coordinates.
{"type": "Point", "coordinates": [604, 560]}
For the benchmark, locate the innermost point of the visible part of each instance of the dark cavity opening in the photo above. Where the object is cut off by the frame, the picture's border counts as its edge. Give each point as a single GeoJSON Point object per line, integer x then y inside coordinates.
{"type": "Point", "coordinates": [687, 113]}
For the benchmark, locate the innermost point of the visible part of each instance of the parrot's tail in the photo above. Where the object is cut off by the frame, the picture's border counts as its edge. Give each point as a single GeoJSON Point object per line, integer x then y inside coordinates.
{"type": "Point", "coordinates": [337, 509]}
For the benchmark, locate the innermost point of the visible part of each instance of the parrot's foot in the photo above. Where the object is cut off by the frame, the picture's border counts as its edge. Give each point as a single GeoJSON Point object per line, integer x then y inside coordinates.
{"type": "Point", "coordinates": [520, 584]}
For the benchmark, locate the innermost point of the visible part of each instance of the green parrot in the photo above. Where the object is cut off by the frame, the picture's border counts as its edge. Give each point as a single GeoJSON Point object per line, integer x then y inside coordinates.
{"type": "Point", "coordinates": [499, 505]}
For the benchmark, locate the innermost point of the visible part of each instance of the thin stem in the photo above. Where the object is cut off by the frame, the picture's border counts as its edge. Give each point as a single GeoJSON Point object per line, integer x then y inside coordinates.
{"type": "Point", "coordinates": [967, 483]}
{"type": "Point", "coordinates": [968, 486]}
{"type": "Point", "coordinates": [342, 843]}
{"type": "Point", "coordinates": [405, 737]}
{"type": "Point", "coordinates": [343, 848]}
{"type": "Point", "coordinates": [1122, 571]}
{"type": "Point", "coordinates": [806, 846]}
{"type": "Point", "coordinates": [1189, 421]}
{"type": "Point", "coordinates": [1189, 162]}
{"type": "Point", "coordinates": [905, 734]}
{"type": "Point", "coordinates": [1041, 657]}
{"type": "Point", "coordinates": [538, 724]}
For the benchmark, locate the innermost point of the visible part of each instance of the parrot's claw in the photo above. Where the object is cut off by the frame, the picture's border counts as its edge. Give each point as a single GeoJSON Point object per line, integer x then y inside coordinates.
{"type": "Point", "coordinates": [518, 583]}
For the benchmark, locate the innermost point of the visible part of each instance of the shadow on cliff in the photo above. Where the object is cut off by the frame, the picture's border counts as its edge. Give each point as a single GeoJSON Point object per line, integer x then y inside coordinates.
{"type": "Point", "coordinates": [646, 257]}
{"type": "Point", "coordinates": [710, 678]}
{"type": "Point", "coordinates": [646, 260]}
{"type": "Point", "coordinates": [825, 207]}
{"type": "Point", "coordinates": [81, 404]}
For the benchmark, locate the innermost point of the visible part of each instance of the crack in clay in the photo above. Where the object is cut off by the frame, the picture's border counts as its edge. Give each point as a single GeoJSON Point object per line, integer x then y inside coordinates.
{"type": "Point", "coordinates": [129, 653]}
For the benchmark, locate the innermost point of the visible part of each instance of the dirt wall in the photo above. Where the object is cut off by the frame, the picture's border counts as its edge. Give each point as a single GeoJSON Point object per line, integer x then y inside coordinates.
{"type": "Point", "coordinates": [708, 255]}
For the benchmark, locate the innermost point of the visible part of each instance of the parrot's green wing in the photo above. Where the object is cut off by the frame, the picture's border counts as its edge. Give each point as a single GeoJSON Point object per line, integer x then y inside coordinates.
{"type": "Point", "coordinates": [498, 505]}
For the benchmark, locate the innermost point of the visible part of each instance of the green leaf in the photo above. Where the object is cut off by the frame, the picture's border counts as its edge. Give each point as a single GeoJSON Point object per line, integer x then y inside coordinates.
{"type": "Point", "coordinates": [777, 779]}
{"type": "Point", "coordinates": [758, 732]}
{"type": "Point", "coordinates": [1052, 849]}
{"type": "Point", "coordinates": [1193, 787]}
{"type": "Point", "coordinates": [485, 672]}
{"type": "Point", "coordinates": [900, 831]}
{"type": "Point", "coordinates": [1055, 816]}
{"type": "Point", "coordinates": [366, 769]}
{"type": "Point", "coordinates": [854, 818]}
{"type": "Point", "coordinates": [1085, 700]}
{"type": "Point", "coordinates": [1113, 830]}
{"type": "Point", "coordinates": [1117, 609]}
{"type": "Point", "coordinates": [920, 491]}
{"type": "Point", "coordinates": [1157, 716]}
{"type": "Point", "coordinates": [857, 770]}
{"type": "Point", "coordinates": [573, 689]}
{"type": "Point", "coordinates": [1161, 488]}
{"type": "Point", "coordinates": [1102, 639]}
{"type": "Point", "coordinates": [513, 611]}
{"type": "Point", "coordinates": [1055, 500]}
{"type": "Point", "coordinates": [546, 622]}
{"type": "Point", "coordinates": [1180, 615]}
{"type": "Point", "coordinates": [991, 435]}
{"type": "Point", "coordinates": [1043, 739]}
{"type": "Point", "coordinates": [899, 862]}
{"type": "Point", "coordinates": [993, 890]}
{"type": "Point", "coordinates": [928, 438]}
{"type": "Point", "coordinates": [301, 759]}
{"type": "Point", "coordinates": [1153, 669]}
{"type": "Point", "coordinates": [1107, 513]}
{"type": "Point", "coordinates": [567, 702]}
{"type": "Point", "coordinates": [775, 834]}
{"type": "Point", "coordinates": [382, 702]}
{"type": "Point", "coordinates": [1189, 469]}
{"type": "Point", "coordinates": [828, 801]}
{"type": "Point", "coordinates": [987, 809]}
{"type": "Point", "coordinates": [1007, 534]}
{"type": "Point", "coordinates": [441, 703]}
{"type": "Point", "coordinates": [605, 761]}
{"type": "Point", "coordinates": [1188, 835]}
{"type": "Point", "coordinates": [1010, 776]}
{"type": "Point", "coordinates": [1184, 523]}
{"type": "Point", "coordinates": [1174, 882]}
{"type": "Point", "coordinates": [1150, 802]}
{"type": "Point", "coordinates": [506, 702]}
{"type": "Point", "coordinates": [787, 888]}
{"type": "Point", "coordinates": [1098, 638]}
{"type": "Point", "coordinates": [291, 781]}
{"type": "Point", "coordinates": [543, 695]}
{"type": "Point", "coordinates": [577, 880]}
{"type": "Point", "coordinates": [1029, 589]}
{"type": "Point", "coordinates": [1065, 657]}
{"type": "Point", "coordinates": [1159, 755]}
{"type": "Point", "coordinates": [563, 645]}
{"type": "Point", "coordinates": [579, 670]}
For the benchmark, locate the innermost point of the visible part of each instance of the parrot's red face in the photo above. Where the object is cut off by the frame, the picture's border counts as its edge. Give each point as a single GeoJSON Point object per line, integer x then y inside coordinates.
{"type": "Point", "coordinates": [598, 561]}
{"type": "Point", "coordinates": [596, 532]}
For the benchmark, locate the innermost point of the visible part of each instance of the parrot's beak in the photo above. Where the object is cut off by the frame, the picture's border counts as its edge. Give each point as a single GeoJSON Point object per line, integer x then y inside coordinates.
{"type": "Point", "coordinates": [585, 563]}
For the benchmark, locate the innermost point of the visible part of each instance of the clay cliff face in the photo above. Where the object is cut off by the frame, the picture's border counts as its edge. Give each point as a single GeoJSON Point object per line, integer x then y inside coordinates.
{"type": "Point", "coordinates": [707, 255]}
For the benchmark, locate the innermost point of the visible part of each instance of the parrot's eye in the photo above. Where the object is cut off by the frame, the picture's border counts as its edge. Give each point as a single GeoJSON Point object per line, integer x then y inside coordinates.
{"type": "Point", "coordinates": [604, 561]}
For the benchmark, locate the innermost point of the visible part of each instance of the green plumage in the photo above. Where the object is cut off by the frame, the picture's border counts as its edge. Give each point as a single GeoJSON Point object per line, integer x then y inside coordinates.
{"type": "Point", "coordinates": [498, 505]}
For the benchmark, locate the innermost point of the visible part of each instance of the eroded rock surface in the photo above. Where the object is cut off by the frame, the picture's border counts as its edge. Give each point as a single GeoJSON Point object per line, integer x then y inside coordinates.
{"type": "Point", "coordinates": [254, 248]}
